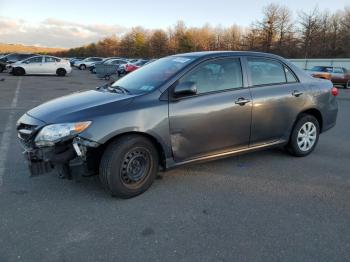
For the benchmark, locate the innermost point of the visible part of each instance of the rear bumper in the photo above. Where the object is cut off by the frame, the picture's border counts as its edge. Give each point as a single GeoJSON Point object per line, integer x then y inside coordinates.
{"type": "Point", "coordinates": [330, 116]}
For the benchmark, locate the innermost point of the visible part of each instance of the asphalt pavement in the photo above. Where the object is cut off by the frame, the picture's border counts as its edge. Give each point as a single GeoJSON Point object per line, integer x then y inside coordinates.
{"type": "Point", "coordinates": [262, 206]}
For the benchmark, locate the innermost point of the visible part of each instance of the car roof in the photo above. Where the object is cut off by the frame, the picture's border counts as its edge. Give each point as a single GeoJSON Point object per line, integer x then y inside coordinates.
{"type": "Point", "coordinates": [227, 53]}
{"type": "Point", "coordinates": [54, 56]}
{"type": "Point", "coordinates": [36, 56]}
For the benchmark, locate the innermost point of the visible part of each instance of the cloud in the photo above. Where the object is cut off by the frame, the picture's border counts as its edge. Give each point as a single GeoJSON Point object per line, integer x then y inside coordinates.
{"type": "Point", "coordinates": [54, 32]}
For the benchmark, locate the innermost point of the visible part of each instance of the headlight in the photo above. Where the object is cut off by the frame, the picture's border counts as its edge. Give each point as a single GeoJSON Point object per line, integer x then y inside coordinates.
{"type": "Point", "coordinates": [52, 134]}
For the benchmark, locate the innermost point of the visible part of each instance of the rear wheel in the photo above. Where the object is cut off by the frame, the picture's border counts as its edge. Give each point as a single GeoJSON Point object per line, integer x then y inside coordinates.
{"type": "Point", "coordinates": [19, 71]}
{"type": "Point", "coordinates": [82, 67]}
{"type": "Point", "coordinates": [1, 68]}
{"type": "Point", "coordinates": [347, 85]}
{"type": "Point", "coordinates": [61, 72]}
{"type": "Point", "coordinates": [129, 166]}
{"type": "Point", "coordinates": [304, 136]}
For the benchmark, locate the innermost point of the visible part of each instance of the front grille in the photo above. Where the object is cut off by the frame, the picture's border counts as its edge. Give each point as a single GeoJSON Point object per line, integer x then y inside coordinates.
{"type": "Point", "coordinates": [26, 134]}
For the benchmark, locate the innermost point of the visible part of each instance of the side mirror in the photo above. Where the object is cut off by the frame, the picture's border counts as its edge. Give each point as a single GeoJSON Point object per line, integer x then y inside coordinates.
{"type": "Point", "coordinates": [185, 89]}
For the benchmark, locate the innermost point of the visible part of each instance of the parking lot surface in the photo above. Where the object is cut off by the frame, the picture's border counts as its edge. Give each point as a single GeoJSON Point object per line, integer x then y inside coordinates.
{"type": "Point", "coordinates": [262, 206]}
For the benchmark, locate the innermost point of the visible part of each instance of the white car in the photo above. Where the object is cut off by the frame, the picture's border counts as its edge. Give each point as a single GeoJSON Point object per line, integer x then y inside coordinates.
{"type": "Point", "coordinates": [42, 65]}
{"type": "Point", "coordinates": [87, 62]}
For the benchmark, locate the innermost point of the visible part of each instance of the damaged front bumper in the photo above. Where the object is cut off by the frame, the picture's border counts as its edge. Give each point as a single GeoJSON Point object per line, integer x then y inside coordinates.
{"type": "Point", "coordinates": [68, 157]}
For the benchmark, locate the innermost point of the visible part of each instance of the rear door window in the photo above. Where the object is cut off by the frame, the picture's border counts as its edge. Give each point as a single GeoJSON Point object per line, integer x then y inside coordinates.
{"type": "Point", "coordinates": [265, 71]}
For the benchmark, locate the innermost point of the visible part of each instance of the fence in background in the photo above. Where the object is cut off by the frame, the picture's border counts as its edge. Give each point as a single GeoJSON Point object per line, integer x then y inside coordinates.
{"type": "Point", "coordinates": [309, 63]}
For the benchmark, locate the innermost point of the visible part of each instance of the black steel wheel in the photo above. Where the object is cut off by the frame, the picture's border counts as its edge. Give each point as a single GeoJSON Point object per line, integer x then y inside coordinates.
{"type": "Point", "coordinates": [135, 167]}
{"type": "Point", "coordinates": [129, 166]}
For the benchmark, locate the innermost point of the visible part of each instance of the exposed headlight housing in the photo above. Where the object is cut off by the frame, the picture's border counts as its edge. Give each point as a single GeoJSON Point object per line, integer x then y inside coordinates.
{"type": "Point", "coordinates": [52, 134]}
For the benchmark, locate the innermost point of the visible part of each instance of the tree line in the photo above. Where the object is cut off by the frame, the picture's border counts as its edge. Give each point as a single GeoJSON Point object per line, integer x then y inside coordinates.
{"type": "Point", "coordinates": [314, 34]}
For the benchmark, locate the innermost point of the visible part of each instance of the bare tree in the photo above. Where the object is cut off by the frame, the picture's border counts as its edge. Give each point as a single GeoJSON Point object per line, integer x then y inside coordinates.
{"type": "Point", "coordinates": [309, 29]}
{"type": "Point", "coordinates": [345, 32]}
{"type": "Point", "coordinates": [159, 43]}
{"type": "Point", "coordinates": [284, 28]}
{"type": "Point", "coordinates": [311, 34]}
{"type": "Point", "coordinates": [269, 26]}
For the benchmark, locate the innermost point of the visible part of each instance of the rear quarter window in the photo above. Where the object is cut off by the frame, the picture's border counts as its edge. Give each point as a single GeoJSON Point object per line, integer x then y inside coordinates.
{"type": "Point", "coordinates": [291, 78]}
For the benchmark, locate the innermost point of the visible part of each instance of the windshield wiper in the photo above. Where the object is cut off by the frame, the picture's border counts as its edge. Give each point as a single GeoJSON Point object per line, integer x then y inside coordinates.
{"type": "Point", "coordinates": [122, 89]}
{"type": "Point", "coordinates": [115, 89]}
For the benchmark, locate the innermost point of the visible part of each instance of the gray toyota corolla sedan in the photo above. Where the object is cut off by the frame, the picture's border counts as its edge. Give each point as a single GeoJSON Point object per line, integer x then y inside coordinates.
{"type": "Point", "coordinates": [177, 110]}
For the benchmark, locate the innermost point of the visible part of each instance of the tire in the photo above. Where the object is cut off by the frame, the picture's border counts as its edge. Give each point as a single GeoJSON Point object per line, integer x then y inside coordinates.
{"type": "Point", "coordinates": [82, 67]}
{"type": "Point", "coordinates": [129, 166]}
{"type": "Point", "coordinates": [107, 77]}
{"type": "Point", "coordinates": [61, 72]}
{"type": "Point", "coordinates": [304, 136]}
{"type": "Point", "coordinates": [19, 71]}
{"type": "Point", "coordinates": [1, 69]}
{"type": "Point", "coordinates": [347, 85]}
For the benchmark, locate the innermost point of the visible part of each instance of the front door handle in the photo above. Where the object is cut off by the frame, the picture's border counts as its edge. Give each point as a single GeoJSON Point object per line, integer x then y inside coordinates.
{"type": "Point", "coordinates": [242, 101]}
{"type": "Point", "coordinates": [297, 93]}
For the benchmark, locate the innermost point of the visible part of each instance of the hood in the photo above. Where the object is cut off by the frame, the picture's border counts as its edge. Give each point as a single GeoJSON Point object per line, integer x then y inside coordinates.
{"type": "Point", "coordinates": [80, 106]}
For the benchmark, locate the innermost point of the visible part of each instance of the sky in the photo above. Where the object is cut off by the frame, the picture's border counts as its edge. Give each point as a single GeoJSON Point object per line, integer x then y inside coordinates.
{"type": "Point", "coordinates": [73, 23]}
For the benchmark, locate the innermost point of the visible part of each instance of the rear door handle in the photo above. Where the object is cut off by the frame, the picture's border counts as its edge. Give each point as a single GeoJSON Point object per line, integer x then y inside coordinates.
{"type": "Point", "coordinates": [297, 93]}
{"type": "Point", "coordinates": [242, 101]}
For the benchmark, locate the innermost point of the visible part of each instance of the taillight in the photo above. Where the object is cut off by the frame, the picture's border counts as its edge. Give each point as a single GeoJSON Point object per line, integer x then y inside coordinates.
{"type": "Point", "coordinates": [334, 91]}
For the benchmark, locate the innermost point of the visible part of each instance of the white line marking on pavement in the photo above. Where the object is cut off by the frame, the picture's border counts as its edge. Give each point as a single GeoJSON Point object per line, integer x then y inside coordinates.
{"type": "Point", "coordinates": [5, 141]}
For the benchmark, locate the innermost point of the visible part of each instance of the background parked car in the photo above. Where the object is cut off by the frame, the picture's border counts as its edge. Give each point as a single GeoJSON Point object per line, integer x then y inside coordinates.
{"type": "Point", "coordinates": [109, 68]}
{"type": "Point", "coordinates": [338, 75]}
{"type": "Point", "coordinates": [83, 64]}
{"type": "Point", "coordinates": [104, 61]}
{"type": "Point", "coordinates": [75, 59]}
{"type": "Point", "coordinates": [43, 65]}
{"type": "Point", "coordinates": [129, 67]}
{"type": "Point", "coordinates": [12, 58]}
{"type": "Point", "coordinates": [150, 61]}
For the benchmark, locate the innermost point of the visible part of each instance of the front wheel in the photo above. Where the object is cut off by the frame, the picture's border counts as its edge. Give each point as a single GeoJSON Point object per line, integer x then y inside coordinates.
{"type": "Point", "coordinates": [82, 67]}
{"type": "Point", "coordinates": [304, 136]}
{"type": "Point", "coordinates": [18, 71]}
{"type": "Point", "coordinates": [129, 166]}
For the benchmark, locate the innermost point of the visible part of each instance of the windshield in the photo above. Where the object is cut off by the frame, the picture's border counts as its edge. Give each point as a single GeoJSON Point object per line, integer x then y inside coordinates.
{"type": "Point", "coordinates": [153, 75]}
